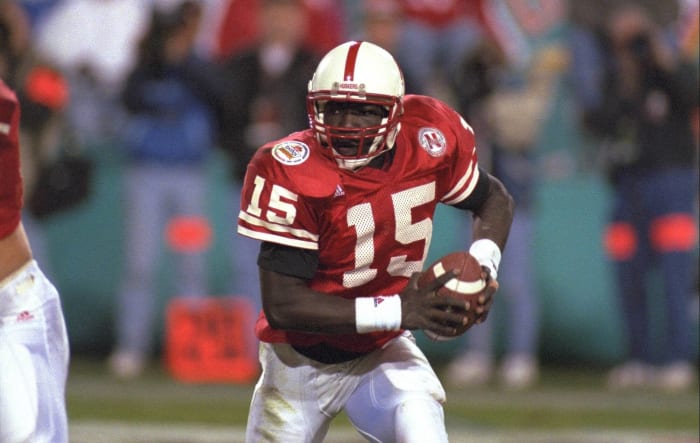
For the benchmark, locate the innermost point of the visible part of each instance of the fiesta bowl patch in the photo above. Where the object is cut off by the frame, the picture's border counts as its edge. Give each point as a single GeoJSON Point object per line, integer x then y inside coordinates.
{"type": "Point", "coordinates": [433, 141]}
{"type": "Point", "coordinates": [290, 152]}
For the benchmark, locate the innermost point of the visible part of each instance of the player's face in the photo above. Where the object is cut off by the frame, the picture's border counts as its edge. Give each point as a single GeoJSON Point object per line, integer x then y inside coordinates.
{"type": "Point", "coordinates": [351, 120]}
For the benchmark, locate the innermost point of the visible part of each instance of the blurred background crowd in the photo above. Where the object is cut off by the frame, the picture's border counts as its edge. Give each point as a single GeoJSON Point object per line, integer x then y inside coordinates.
{"type": "Point", "coordinates": [588, 111]}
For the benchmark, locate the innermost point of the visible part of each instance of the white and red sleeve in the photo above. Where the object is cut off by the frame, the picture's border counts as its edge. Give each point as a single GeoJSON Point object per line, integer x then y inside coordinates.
{"type": "Point", "coordinates": [464, 160]}
{"type": "Point", "coordinates": [283, 185]}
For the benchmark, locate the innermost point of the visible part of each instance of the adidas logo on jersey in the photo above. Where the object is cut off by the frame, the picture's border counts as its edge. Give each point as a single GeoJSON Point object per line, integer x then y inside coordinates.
{"type": "Point", "coordinates": [338, 191]}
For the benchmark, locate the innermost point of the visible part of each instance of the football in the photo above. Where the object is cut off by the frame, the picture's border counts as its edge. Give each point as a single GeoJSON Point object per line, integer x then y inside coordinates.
{"type": "Point", "coordinates": [467, 285]}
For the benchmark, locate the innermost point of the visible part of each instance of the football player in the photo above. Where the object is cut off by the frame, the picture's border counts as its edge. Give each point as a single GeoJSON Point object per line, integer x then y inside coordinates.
{"type": "Point", "coordinates": [33, 341]}
{"type": "Point", "coordinates": [345, 212]}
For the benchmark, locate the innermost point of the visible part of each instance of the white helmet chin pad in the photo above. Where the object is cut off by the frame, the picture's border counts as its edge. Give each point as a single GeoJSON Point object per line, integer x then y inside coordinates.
{"type": "Point", "coordinates": [358, 72]}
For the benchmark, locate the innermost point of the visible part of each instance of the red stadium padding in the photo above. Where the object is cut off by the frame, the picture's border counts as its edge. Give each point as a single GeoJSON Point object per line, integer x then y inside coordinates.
{"type": "Point", "coordinates": [210, 340]}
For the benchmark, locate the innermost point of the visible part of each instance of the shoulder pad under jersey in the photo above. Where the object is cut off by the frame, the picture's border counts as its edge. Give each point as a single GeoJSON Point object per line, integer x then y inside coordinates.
{"type": "Point", "coordinates": [438, 128]}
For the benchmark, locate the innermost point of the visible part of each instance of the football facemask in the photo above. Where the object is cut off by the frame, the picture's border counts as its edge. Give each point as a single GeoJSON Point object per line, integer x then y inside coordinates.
{"type": "Point", "coordinates": [362, 73]}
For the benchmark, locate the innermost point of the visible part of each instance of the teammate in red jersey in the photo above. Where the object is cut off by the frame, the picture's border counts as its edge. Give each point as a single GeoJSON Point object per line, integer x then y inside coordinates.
{"type": "Point", "coordinates": [33, 340]}
{"type": "Point", "coordinates": [345, 212]}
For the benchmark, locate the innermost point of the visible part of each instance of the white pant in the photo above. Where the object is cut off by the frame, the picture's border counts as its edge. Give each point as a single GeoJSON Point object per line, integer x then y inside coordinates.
{"type": "Point", "coordinates": [34, 359]}
{"type": "Point", "coordinates": [390, 395]}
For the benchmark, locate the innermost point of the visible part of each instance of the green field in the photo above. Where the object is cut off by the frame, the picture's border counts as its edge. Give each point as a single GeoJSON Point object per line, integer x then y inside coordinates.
{"type": "Point", "coordinates": [569, 406]}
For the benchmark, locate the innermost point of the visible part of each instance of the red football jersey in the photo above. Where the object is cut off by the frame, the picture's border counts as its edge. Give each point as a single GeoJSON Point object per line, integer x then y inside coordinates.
{"type": "Point", "coordinates": [372, 227]}
{"type": "Point", "coordinates": [10, 178]}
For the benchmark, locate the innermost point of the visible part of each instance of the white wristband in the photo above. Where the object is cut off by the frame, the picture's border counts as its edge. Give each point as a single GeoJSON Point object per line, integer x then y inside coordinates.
{"type": "Point", "coordinates": [488, 254]}
{"type": "Point", "coordinates": [381, 313]}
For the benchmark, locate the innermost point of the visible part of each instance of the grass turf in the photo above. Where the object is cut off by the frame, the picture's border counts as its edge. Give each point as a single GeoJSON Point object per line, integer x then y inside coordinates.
{"type": "Point", "coordinates": [565, 399]}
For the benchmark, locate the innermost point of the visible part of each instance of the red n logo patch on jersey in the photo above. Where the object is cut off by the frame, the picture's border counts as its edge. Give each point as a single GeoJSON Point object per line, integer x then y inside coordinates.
{"type": "Point", "coordinates": [433, 141]}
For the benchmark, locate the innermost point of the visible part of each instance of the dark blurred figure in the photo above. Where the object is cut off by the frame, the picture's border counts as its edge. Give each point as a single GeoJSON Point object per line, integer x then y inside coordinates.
{"type": "Point", "coordinates": [171, 98]}
{"type": "Point", "coordinates": [14, 39]}
{"type": "Point", "coordinates": [586, 36]}
{"type": "Point", "coordinates": [435, 35]}
{"type": "Point", "coordinates": [240, 26]}
{"type": "Point", "coordinates": [93, 44]}
{"type": "Point", "coordinates": [646, 99]}
{"type": "Point", "coordinates": [381, 22]}
{"type": "Point", "coordinates": [265, 100]}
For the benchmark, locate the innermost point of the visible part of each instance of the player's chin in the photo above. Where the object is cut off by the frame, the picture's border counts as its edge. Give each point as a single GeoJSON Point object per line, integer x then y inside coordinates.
{"type": "Point", "coordinates": [346, 151]}
{"type": "Point", "coordinates": [346, 148]}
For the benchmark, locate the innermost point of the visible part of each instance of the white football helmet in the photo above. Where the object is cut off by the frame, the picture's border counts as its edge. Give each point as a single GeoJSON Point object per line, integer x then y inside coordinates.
{"type": "Point", "coordinates": [357, 72]}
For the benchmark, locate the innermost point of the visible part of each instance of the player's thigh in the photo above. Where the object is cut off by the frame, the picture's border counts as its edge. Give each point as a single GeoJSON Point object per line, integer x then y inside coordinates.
{"type": "Point", "coordinates": [402, 394]}
{"type": "Point", "coordinates": [18, 391]}
{"type": "Point", "coordinates": [287, 405]}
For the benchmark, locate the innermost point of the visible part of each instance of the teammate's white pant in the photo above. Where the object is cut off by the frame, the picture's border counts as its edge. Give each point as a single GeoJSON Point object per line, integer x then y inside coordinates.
{"type": "Point", "coordinates": [390, 395]}
{"type": "Point", "coordinates": [33, 359]}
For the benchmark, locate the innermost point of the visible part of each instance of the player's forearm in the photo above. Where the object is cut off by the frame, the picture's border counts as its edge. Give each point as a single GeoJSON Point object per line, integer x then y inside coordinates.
{"type": "Point", "coordinates": [290, 305]}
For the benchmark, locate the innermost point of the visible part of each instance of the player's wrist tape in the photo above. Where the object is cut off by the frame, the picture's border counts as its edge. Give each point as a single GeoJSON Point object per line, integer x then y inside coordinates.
{"type": "Point", "coordinates": [381, 313]}
{"type": "Point", "coordinates": [488, 254]}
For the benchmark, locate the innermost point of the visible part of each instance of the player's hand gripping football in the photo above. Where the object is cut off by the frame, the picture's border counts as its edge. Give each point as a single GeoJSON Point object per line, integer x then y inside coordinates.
{"type": "Point", "coordinates": [485, 300]}
{"type": "Point", "coordinates": [423, 308]}
{"type": "Point", "coordinates": [444, 315]}
{"type": "Point", "coordinates": [482, 304]}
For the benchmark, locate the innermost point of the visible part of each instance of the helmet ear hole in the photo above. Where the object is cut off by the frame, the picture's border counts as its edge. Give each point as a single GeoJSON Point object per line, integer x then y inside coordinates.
{"type": "Point", "coordinates": [358, 72]}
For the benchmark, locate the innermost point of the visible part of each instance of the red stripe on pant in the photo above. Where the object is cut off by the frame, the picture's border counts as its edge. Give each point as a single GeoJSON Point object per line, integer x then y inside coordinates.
{"type": "Point", "coordinates": [620, 241]}
{"type": "Point", "coordinates": [673, 233]}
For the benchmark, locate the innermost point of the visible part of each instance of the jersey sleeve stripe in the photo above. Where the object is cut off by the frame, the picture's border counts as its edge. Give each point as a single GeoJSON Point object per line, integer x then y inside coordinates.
{"type": "Point", "coordinates": [468, 176]}
{"type": "Point", "coordinates": [293, 232]}
{"type": "Point", "coordinates": [473, 180]}
{"type": "Point", "coordinates": [266, 236]}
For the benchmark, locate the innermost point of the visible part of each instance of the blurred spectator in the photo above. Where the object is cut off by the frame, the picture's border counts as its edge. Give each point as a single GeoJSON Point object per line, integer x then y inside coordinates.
{"type": "Point", "coordinates": [646, 100]}
{"type": "Point", "coordinates": [505, 89]}
{"type": "Point", "coordinates": [37, 10]}
{"type": "Point", "coordinates": [265, 100]}
{"type": "Point", "coordinates": [380, 22]}
{"type": "Point", "coordinates": [586, 38]}
{"type": "Point", "coordinates": [435, 36]}
{"type": "Point", "coordinates": [240, 27]}
{"type": "Point", "coordinates": [93, 43]}
{"type": "Point", "coordinates": [44, 95]}
{"type": "Point", "coordinates": [171, 128]}
{"type": "Point", "coordinates": [594, 13]}
{"type": "Point", "coordinates": [15, 34]}
{"type": "Point", "coordinates": [505, 107]}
